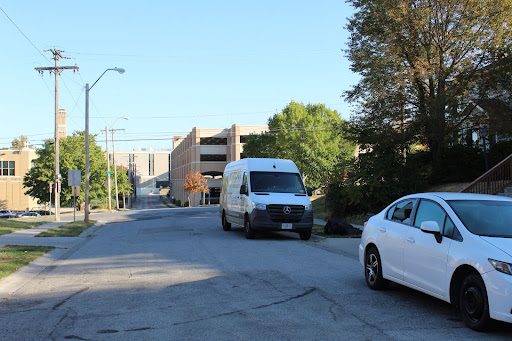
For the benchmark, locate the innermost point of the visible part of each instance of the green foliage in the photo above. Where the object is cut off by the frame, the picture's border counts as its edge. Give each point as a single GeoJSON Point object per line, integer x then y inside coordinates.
{"type": "Point", "coordinates": [18, 144]}
{"type": "Point", "coordinates": [373, 181]}
{"type": "Point", "coordinates": [13, 257]}
{"type": "Point", "coordinates": [307, 135]}
{"type": "Point", "coordinates": [499, 151]}
{"type": "Point", "coordinates": [72, 157]}
{"type": "Point", "coordinates": [426, 65]}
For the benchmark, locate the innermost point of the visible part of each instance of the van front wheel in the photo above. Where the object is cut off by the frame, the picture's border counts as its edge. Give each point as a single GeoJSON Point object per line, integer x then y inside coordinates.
{"type": "Point", "coordinates": [249, 232]}
{"type": "Point", "coordinates": [225, 225]}
{"type": "Point", "coordinates": [305, 235]}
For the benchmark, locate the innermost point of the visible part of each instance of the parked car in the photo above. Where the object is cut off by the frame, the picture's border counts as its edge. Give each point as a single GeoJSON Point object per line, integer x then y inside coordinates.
{"type": "Point", "coordinates": [29, 214]}
{"type": "Point", "coordinates": [453, 246]}
{"type": "Point", "coordinates": [7, 214]}
{"type": "Point", "coordinates": [265, 195]}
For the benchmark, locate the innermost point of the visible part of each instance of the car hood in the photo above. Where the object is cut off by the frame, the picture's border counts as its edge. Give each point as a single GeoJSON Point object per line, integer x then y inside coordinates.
{"type": "Point", "coordinates": [504, 244]}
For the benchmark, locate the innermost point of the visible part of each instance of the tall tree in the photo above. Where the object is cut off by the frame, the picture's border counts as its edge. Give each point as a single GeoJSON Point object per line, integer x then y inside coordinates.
{"type": "Point", "coordinates": [307, 135]}
{"type": "Point", "coordinates": [426, 65]}
{"type": "Point", "coordinates": [19, 144]}
{"type": "Point", "coordinates": [72, 157]}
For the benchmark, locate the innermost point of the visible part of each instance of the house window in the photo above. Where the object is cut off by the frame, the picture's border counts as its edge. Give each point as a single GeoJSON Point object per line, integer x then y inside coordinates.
{"type": "Point", "coordinates": [6, 168]}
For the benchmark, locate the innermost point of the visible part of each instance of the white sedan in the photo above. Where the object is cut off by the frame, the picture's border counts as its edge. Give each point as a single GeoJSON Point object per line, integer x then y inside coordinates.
{"type": "Point", "coordinates": [454, 246]}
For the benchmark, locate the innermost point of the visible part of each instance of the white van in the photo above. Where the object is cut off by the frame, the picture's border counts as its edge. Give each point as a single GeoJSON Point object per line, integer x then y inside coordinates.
{"type": "Point", "coordinates": [265, 195]}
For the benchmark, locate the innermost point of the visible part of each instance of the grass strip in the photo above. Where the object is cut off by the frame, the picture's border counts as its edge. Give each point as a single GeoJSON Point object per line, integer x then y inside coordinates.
{"type": "Point", "coordinates": [9, 225]}
{"type": "Point", "coordinates": [67, 230]}
{"type": "Point", "coordinates": [13, 257]}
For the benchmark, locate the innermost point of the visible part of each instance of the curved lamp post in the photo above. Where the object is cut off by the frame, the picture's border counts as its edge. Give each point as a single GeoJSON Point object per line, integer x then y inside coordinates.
{"type": "Point", "coordinates": [87, 168]}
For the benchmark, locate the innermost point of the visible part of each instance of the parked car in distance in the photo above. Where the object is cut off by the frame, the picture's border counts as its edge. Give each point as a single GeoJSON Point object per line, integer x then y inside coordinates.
{"type": "Point", "coordinates": [265, 195]}
{"type": "Point", "coordinates": [29, 214]}
{"type": "Point", "coordinates": [7, 214]}
{"type": "Point", "coordinates": [453, 246]}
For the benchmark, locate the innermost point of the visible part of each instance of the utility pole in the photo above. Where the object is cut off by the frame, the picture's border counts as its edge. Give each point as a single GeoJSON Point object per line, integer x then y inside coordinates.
{"type": "Point", "coordinates": [56, 70]}
{"type": "Point", "coordinates": [114, 163]}
{"type": "Point", "coordinates": [109, 189]}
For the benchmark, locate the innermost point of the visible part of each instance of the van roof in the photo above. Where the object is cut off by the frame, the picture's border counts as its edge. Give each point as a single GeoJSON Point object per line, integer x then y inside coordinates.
{"type": "Point", "coordinates": [264, 165]}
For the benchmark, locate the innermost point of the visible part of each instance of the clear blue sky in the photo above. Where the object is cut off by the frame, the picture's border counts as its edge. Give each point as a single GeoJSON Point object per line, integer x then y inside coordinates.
{"type": "Point", "coordinates": [188, 63]}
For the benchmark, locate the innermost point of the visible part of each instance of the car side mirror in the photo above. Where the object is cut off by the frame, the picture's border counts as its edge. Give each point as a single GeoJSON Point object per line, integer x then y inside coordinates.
{"type": "Point", "coordinates": [432, 227]}
{"type": "Point", "coordinates": [243, 189]}
{"type": "Point", "coordinates": [309, 191]}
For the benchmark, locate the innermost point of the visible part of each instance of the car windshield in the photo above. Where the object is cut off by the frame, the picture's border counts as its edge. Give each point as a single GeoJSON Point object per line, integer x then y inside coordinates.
{"type": "Point", "coordinates": [485, 217]}
{"type": "Point", "coordinates": [276, 182]}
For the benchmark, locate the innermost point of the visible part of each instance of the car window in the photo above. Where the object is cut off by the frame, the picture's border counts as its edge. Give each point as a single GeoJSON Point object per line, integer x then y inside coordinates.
{"type": "Point", "coordinates": [401, 211]}
{"type": "Point", "coordinates": [431, 211]}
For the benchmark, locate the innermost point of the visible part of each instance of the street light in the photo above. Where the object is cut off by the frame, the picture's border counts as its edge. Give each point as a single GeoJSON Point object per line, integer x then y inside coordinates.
{"type": "Point", "coordinates": [87, 170]}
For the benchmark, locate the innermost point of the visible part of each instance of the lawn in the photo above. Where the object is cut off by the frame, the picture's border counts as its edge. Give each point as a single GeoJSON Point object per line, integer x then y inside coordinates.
{"type": "Point", "coordinates": [13, 257]}
{"type": "Point", "coordinates": [67, 230]}
{"type": "Point", "coordinates": [10, 225]}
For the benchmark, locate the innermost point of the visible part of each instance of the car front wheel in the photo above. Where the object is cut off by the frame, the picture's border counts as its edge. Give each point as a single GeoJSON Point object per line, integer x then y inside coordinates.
{"type": "Point", "coordinates": [373, 270]}
{"type": "Point", "coordinates": [473, 302]}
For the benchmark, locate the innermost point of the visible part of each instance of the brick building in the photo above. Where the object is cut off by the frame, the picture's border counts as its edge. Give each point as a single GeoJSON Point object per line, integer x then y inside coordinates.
{"type": "Point", "coordinates": [14, 164]}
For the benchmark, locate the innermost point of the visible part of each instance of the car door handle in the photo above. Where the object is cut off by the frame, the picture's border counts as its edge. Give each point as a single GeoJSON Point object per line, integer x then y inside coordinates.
{"type": "Point", "coordinates": [382, 229]}
{"type": "Point", "coordinates": [410, 240]}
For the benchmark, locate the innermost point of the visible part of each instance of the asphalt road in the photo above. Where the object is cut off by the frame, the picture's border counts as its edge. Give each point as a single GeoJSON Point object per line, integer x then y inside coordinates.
{"type": "Point", "coordinates": [174, 274]}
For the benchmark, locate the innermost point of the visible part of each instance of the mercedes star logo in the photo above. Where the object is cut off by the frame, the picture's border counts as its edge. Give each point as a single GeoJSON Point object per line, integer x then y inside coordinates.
{"type": "Point", "coordinates": [287, 210]}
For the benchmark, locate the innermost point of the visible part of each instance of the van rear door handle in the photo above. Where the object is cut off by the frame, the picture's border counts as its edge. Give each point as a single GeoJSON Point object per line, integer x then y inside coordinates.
{"type": "Point", "coordinates": [382, 229]}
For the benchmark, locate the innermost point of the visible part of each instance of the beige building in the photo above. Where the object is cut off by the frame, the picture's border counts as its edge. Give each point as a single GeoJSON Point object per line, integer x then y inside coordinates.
{"type": "Point", "coordinates": [14, 165]}
{"type": "Point", "coordinates": [207, 151]}
{"type": "Point", "coordinates": [149, 169]}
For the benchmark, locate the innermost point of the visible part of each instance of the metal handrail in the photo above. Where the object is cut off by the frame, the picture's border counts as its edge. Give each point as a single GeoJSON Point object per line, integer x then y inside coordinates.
{"type": "Point", "coordinates": [494, 181]}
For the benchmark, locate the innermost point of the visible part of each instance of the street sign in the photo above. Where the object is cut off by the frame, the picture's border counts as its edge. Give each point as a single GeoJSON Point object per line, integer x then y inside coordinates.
{"type": "Point", "coordinates": [108, 172]}
{"type": "Point", "coordinates": [59, 186]}
{"type": "Point", "coordinates": [74, 177]}
{"type": "Point", "coordinates": [76, 191]}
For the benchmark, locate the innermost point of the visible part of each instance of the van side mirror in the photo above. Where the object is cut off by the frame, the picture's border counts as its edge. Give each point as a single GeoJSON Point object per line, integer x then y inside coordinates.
{"type": "Point", "coordinates": [309, 191]}
{"type": "Point", "coordinates": [243, 190]}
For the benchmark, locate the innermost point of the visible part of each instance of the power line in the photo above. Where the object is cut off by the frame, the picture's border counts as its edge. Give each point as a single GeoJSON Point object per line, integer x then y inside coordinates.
{"type": "Point", "coordinates": [1, 9]}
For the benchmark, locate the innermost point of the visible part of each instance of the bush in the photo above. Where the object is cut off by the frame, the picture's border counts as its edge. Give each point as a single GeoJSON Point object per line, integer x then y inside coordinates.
{"type": "Point", "coordinates": [499, 151]}
{"type": "Point", "coordinates": [462, 164]}
{"type": "Point", "coordinates": [178, 202]}
{"type": "Point", "coordinates": [374, 181]}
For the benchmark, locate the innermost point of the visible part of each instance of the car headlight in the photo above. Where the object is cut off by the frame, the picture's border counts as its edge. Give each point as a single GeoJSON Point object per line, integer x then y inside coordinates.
{"type": "Point", "coordinates": [308, 207]}
{"type": "Point", "coordinates": [259, 206]}
{"type": "Point", "coordinates": [506, 268]}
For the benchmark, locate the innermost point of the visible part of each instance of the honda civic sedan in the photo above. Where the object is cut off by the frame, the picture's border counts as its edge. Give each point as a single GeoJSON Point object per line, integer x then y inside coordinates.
{"type": "Point", "coordinates": [454, 246]}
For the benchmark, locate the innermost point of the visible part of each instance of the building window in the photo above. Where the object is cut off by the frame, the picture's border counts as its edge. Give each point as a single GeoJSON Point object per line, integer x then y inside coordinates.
{"type": "Point", "coordinates": [213, 157]}
{"type": "Point", "coordinates": [242, 156]}
{"type": "Point", "coordinates": [243, 138]}
{"type": "Point", "coordinates": [6, 168]}
{"type": "Point", "coordinates": [217, 141]}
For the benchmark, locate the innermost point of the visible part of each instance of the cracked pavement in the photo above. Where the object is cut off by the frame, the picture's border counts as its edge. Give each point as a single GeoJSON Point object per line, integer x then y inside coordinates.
{"type": "Point", "coordinates": [174, 274]}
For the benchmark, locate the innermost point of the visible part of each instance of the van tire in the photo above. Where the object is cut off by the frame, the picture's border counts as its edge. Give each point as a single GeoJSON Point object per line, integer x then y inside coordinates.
{"type": "Point", "coordinates": [225, 225]}
{"type": "Point", "coordinates": [305, 235]}
{"type": "Point", "coordinates": [249, 232]}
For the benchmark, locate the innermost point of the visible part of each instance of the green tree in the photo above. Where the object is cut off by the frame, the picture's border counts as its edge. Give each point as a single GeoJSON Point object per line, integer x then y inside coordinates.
{"type": "Point", "coordinates": [72, 157]}
{"type": "Point", "coordinates": [308, 135]}
{"type": "Point", "coordinates": [425, 66]}
{"type": "Point", "coordinates": [19, 144]}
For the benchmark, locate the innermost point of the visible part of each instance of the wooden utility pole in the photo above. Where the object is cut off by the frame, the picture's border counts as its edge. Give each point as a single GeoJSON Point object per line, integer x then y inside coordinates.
{"type": "Point", "coordinates": [56, 70]}
{"type": "Point", "coordinates": [109, 188]}
{"type": "Point", "coordinates": [115, 167]}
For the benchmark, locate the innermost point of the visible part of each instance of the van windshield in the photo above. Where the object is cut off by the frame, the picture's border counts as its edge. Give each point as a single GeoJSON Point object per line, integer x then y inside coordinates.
{"type": "Point", "coordinates": [277, 182]}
